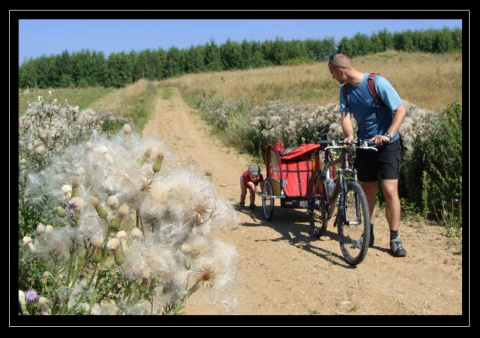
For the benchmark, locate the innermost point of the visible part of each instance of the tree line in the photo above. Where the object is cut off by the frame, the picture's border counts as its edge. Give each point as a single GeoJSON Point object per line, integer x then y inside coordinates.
{"type": "Point", "coordinates": [90, 68]}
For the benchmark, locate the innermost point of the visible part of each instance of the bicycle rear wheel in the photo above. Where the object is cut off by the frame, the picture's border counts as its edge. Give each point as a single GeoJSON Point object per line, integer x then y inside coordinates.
{"type": "Point", "coordinates": [317, 215]}
{"type": "Point", "coordinates": [353, 223]}
{"type": "Point", "coordinates": [268, 203]}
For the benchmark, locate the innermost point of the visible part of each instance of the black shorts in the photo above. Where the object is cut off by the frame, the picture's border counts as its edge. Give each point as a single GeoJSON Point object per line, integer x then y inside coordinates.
{"type": "Point", "coordinates": [386, 161]}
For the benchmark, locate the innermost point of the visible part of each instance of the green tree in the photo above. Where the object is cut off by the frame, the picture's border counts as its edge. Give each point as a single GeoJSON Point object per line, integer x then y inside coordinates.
{"type": "Point", "coordinates": [231, 55]}
{"type": "Point", "coordinates": [87, 68]}
{"type": "Point", "coordinates": [279, 51]}
{"type": "Point", "coordinates": [194, 62]}
{"type": "Point", "coordinates": [361, 45]}
{"type": "Point", "coordinates": [457, 39]}
{"type": "Point", "coordinates": [119, 70]}
{"type": "Point", "coordinates": [212, 60]}
{"type": "Point", "coordinates": [386, 40]}
{"type": "Point", "coordinates": [252, 56]}
{"type": "Point", "coordinates": [345, 46]}
{"type": "Point", "coordinates": [64, 67]}
{"type": "Point", "coordinates": [175, 63]}
{"type": "Point", "coordinates": [45, 71]}
{"type": "Point", "coordinates": [404, 41]}
{"type": "Point", "coordinates": [27, 74]}
{"type": "Point", "coordinates": [443, 42]}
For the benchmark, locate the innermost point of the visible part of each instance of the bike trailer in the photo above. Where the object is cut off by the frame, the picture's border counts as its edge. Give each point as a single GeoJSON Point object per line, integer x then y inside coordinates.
{"type": "Point", "coordinates": [289, 171]}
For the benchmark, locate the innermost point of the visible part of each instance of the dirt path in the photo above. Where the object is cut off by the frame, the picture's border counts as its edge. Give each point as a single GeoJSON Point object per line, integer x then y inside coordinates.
{"type": "Point", "coordinates": [283, 271]}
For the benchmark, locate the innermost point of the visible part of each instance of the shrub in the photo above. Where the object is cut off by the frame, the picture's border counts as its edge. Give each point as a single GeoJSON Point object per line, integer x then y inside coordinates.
{"type": "Point", "coordinates": [434, 170]}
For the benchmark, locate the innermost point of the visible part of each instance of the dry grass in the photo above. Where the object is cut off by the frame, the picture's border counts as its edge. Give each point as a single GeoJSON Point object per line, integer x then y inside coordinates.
{"type": "Point", "coordinates": [116, 99]}
{"type": "Point", "coordinates": [429, 81]}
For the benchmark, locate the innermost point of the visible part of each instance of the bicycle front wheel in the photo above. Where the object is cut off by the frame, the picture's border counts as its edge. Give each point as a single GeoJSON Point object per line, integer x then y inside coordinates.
{"type": "Point", "coordinates": [317, 215]}
{"type": "Point", "coordinates": [353, 223]}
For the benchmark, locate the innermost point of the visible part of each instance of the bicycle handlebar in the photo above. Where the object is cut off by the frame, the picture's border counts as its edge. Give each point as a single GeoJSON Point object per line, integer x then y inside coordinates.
{"type": "Point", "coordinates": [337, 144]}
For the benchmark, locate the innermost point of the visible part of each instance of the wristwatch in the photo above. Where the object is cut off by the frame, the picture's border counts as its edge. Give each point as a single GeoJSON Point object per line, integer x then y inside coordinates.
{"type": "Point", "coordinates": [387, 134]}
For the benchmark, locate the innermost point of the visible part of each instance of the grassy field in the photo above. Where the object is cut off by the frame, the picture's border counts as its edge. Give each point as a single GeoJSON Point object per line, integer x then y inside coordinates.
{"type": "Point", "coordinates": [430, 81]}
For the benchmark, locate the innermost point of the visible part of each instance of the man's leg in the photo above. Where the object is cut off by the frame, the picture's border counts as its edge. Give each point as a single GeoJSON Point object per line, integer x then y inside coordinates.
{"type": "Point", "coordinates": [370, 189]}
{"type": "Point", "coordinates": [392, 213]}
{"type": "Point", "coordinates": [392, 203]}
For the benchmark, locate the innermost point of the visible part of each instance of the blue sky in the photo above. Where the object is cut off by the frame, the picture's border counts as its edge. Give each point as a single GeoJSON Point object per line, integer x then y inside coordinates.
{"type": "Point", "coordinates": [46, 36]}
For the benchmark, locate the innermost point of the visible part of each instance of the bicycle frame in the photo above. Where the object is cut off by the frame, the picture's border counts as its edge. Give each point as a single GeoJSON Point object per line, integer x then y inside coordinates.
{"type": "Point", "coordinates": [340, 184]}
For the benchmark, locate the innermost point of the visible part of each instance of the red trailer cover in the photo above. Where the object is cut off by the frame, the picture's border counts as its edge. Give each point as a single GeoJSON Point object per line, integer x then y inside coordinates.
{"type": "Point", "coordinates": [291, 153]}
{"type": "Point", "coordinates": [296, 167]}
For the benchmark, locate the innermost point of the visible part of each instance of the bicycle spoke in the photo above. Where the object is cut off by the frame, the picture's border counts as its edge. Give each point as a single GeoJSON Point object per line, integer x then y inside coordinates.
{"type": "Point", "coordinates": [354, 235]}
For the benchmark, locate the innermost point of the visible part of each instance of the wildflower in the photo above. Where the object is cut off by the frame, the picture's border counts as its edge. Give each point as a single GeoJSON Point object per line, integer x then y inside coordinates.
{"type": "Point", "coordinates": [41, 228]}
{"type": "Point", "coordinates": [23, 302]}
{"type": "Point", "coordinates": [114, 245]}
{"type": "Point", "coordinates": [28, 241]}
{"type": "Point", "coordinates": [74, 205]}
{"type": "Point", "coordinates": [145, 283]}
{"type": "Point", "coordinates": [122, 212]}
{"type": "Point", "coordinates": [44, 278]}
{"type": "Point", "coordinates": [45, 303]}
{"type": "Point", "coordinates": [41, 149]}
{"type": "Point", "coordinates": [75, 185]}
{"type": "Point", "coordinates": [61, 278]}
{"type": "Point", "coordinates": [136, 233]}
{"type": "Point", "coordinates": [104, 151]}
{"type": "Point", "coordinates": [101, 212]}
{"type": "Point", "coordinates": [158, 163]}
{"type": "Point", "coordinates": [67, 190]}
{"type": "Point", "coordinates": [31, 295]}
{"type": "Point", "coordinates": [112, 202]}
{"type": "Point", "coordinates": [201, 212]}
{"type": "Point", "coordinates": [206, 275]}
{"type": "Point", "coordinates": [95, 249]}
{"type": "Point", "coordinates": [145, 156]}
{"type": "Point", "coordinates": [122, 236]}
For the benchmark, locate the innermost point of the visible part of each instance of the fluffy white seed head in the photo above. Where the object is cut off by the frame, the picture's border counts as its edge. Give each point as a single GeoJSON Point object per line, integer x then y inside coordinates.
{"type": "Point", "coordinates": [41, 228]}
{"type": "Point", "coordinates": [112, 202]}
{"type": "Point", "coordinates": [123, 210]}
{"type": "Point", "coordinates": [136, 233]}
{"type": "Point", "coordinates": [113, 244]}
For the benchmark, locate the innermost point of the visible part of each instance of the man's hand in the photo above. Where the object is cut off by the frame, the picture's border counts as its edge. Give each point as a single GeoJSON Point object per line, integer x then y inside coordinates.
{"type": "Point", "coordinates": [348, 140]}
{"type": "Point", "coordinates": [380, 140]}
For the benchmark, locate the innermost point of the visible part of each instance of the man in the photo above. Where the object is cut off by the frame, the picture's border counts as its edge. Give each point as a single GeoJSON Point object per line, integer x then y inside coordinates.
{"type": "Point", "coordinates": [378, 122]}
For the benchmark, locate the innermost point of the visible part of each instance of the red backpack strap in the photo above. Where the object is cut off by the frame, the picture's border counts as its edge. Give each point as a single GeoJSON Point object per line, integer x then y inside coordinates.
{"type": "Point", "coordinates": [371, 86]}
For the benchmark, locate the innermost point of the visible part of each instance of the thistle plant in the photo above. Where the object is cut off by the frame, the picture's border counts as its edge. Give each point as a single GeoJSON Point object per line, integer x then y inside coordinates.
{"type": "Point", "coordinates": [45, 130]}
{"type": "Point", "coordinates": [128, 227]}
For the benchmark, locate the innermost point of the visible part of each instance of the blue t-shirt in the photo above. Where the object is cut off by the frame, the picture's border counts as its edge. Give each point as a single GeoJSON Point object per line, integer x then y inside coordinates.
{"type": "Point", "coordinates": [372, 118]}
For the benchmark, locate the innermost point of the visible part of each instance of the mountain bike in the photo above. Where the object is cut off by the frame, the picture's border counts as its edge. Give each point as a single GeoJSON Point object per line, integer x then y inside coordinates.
{"type": "Point", "coordinates": [335, 191]}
